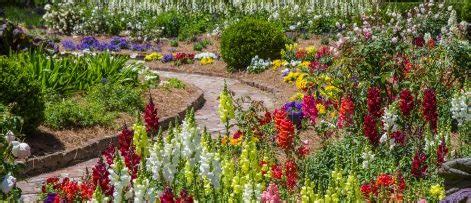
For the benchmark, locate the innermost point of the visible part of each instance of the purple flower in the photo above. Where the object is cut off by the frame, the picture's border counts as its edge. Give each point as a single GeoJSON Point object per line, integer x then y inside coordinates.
{"type": "Point", "coordinates": [118, 43]}
{"type": "Point", "coordinates": [140, 47]}
{"type": "Point", "coordinates": [167, 58]}
{"type": "Point", "coordinates": [69, 45]}
{"type": "Point", "coordinates": [285, 72]}
{"type": "Point", "coordinates": [295, 112]}
{"type": "Point", "coordinates": [89, 42]}
{"type": "Point", "coordinates": [50, 198]}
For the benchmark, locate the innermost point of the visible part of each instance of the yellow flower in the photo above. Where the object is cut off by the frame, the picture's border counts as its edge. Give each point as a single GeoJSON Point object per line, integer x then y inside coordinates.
{"type": "Point", "coordinates": [297, 96]}
{"type": "Point", "coordinates": [224, 140]}
{"type": "Point", "coordinates": [291, 47]}
{"type": "Point", "coordinates": [292, 76]}
{"type": "Point", "coordinates": [153, 56]}
{"type": "Point", "coordinates": [301, 83]}
{"type": "Point", "coordinates": [207, 60]}
{"type": "Point", "coordinates": [235, 142]}
{"type": "Point", "coordinates": [437, 191]}
{"type": "Point", "coordinates": [320, 108]}
{"type": "Point", "coordinates": [305, 64]}
{"type": "Point", "coordinates": [278, 64]}
{"type": "Point", "coordinates": [311, 50]}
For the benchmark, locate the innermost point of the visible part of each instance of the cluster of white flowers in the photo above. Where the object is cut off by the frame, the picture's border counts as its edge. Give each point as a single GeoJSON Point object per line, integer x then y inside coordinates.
{"type": "Point", "coordinates": [20, 150]}
{"type": "Point", "coordinates": [120, 180]}
{"type": "Point", "coordinates": [389, 120]}
{"type": "Point", "coordinates": [258, 65]}
{"type": "Point", "coordinates": [143, 192]}
{"type": "Point", "coordinates": [252, 192]}
{"type": "Point", "coordinates": [210, 167]}
{"type": "Point", "coordinates": [368, 156]}
{"type": "Point", "coordinates": [461, 108]}
{"type": "Point", "coordinates": [205, 55]}
{"type": "Point", "coordinates": [190, 139]}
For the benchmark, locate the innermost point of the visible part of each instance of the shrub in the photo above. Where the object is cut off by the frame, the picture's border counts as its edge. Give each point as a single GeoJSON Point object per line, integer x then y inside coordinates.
{"type": "Point", "coordinates": [170, 22]}
{"type": "Point", "coordinates": [71, 113]}
{"type": "Point", "coordinates": [8, 121]}
{"type": "Point", "coordinates": [116, 97]}
{"type": "Point", "coordinates": [22, 94]}
{"type": "Point", "coordinates": [173, 83]}
{"type": "Point", "coordinates": [248, 38]}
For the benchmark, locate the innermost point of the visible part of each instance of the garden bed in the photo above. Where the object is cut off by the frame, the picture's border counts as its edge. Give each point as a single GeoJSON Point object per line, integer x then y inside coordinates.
{"type": "Point", "coordinates": [53, 149]}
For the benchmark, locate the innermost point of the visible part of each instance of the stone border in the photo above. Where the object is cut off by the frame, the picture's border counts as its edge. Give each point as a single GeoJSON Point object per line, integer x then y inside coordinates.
{"type": "Point", "coordinates": [93, 148]}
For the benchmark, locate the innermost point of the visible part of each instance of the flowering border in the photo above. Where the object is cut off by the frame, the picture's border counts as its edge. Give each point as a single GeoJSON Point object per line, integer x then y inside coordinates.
{"type": "Point", "coordinates": [93, 148]}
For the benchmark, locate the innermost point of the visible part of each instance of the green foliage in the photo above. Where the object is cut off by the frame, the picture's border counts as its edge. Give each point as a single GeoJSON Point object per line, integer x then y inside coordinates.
{"type": "Point", "coordinates": [170, 22]}
{"type": "Point", "coordinates": [173, 83]}
{"type": "Point", "coordinates": [174, 43]}
{"type": "Point", "coordinates": [24, 16]}
{"type": "Point", "coordinates": [71, 74]}
{"type": "Point", "coordinates": [74, 113]}
{"type": "Point", "coordinates": [199, 46]}
{"type": "Point", "coordinates": [8, 121]}
{"type": "Point", "coordinates": [21, 93]}
{"type": "Point", "coordinates": [116, 97]}
{"type": "Point", "coordinates": [247, 38]}
{"type": "Point", "coordinates": [466, 11]}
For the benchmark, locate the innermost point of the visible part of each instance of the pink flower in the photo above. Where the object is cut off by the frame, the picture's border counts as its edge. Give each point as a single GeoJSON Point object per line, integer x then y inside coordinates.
{"type": "Point", "coordinates": [271, 195]}
{"type": "Point", "coordinates": [309, 108]}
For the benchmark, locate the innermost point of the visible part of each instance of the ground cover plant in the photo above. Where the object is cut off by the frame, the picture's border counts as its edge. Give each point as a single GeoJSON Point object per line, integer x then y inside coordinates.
{"type": "Point", "coordinates": [386, 95]}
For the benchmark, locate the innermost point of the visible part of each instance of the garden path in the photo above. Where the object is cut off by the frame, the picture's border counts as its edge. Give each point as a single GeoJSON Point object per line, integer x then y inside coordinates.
{"type": "Point", "coordinates": [206, 116]}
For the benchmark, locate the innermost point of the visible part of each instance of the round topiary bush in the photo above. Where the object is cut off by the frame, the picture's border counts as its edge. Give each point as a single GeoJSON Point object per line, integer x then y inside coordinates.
{"type": "Point", "coordinates": [22, 94]}
{"type": "Point", "coordinates": [248, 38]}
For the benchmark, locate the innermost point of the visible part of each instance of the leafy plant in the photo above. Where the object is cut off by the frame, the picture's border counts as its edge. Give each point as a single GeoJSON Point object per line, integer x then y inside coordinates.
{"type": "Point", "coordinates": [173, 83]}
{"type": "Point", "coordinates": [116, 97]}
{"type": "Point", "coordinates": [248, 38]}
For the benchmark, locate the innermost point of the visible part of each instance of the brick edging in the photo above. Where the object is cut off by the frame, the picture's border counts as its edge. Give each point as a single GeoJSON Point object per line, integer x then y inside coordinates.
{"type": "Point", "coordinates": [93, 148]}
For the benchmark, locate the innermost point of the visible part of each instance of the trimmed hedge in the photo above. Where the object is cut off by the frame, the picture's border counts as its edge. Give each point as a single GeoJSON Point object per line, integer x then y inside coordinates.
{"type": "Point", "coordinates": [247, 38]}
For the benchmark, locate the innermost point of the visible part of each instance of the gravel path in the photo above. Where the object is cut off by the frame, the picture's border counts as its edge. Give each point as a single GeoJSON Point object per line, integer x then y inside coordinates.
{"type": "Point", "coordinates": [206, 116]}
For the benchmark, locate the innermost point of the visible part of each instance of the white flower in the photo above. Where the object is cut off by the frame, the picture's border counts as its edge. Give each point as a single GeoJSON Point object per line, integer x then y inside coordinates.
{"type": "Point", "coordinates": [390, 120]}
{"type": "Point", "coordinates": [210, 167]}
{"type": "Point", "coordinates": [205, 55]}
{"type": "Point", "coordinates": [461, 108]}
{"type": "Point", "coordinates": [368, 156]}
{"type": "Point", "coordinates": [394, 40]}
{"type": "Point", "coordinates": [47, 7]}
{"type": "Point", "coordinates": [8, 183]}
{"type": "Point", "coordinates": [9, 137]}
{"type": "Point", "coordinates": [252, 192]}
{"type": "Point", "coordinates": [20, 150]}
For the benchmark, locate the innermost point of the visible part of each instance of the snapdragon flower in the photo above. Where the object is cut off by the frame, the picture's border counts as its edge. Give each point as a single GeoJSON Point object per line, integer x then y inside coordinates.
{"type": "Point", "coordinates": [120, 179]}
{"type": "Point", "coordinates": [461, 108]}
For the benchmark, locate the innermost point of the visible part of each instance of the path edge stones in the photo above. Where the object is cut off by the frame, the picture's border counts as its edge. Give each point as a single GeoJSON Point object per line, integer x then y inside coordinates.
{"type": "Point", "coordinates": [93, 148]}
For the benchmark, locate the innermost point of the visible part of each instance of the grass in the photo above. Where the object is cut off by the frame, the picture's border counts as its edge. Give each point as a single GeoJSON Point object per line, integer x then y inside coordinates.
{"type": "Point", "coordinates": [24, 16]}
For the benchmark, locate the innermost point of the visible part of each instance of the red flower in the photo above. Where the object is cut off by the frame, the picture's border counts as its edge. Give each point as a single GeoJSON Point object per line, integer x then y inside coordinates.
{"type": "Point", "coordinates": [370, 129]}
{"type": "Point", "coordinates": [401, 183]}
{"type": "Point", "coordinates": [301, 54]}
{"type": "Point", "coordinates": [309, 108]}
{"type": "Point", "coordinates": [167, 196]}
{"type": "Point", "coordinates": [109, 154]}
{"type": "Point", "coordinates": [285, 128]}
{"type": "Point", "coordinates": [406, 102]}
{"type": "Point", "coordinates": [291, 174]}
{"type": "Point", "coordinates": [419, 41]}
{"type": "Point", "coordinates": [131, 160]}
{"type": "Point", "coordinates": [262, 164]}
{"type": "Point", "coordinates": [324, 50]}
{"type": "Point", "coordinates": [442, 150]}
{"type": "Point", "coordinates": [419, 167]}
{"type": "Point", "coordinates": [125, 139]}
{"type": "Point", "coordinates": [367, 190]}
{"type": "Point", "coordinates": [399, 137]}
{"type": "Point", "coordinates": [429, 108]}
{"type": "Point", "coordinates": [374, 101]}
{"type": "Point", "coordinates": [347, 109]}
{"type": "Point", "coordinates": [237, 135]}
{"type": "Point", "coordinates": [86, 190]}
{"type": "Point", "coordinates": [184, 197]}
{"type": "Point", "coordinates": [276, 172]}
{"type": "Point", "coordinates": [100, 177]}
{"type": "Point", "coordinates": [150, 118]}
{"type": "Point", "coordinates": [431, 43]}
{"type": "Point", "coordinates": [266, 119]}
{"type": "Point", "coordinates": [384, 181]}
{"type": "Point", "coordinates": [303, 151]}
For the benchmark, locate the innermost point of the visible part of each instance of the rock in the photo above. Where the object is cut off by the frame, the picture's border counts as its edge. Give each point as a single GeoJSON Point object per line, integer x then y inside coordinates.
{"type": "Point", "coordinates": [457, 174]}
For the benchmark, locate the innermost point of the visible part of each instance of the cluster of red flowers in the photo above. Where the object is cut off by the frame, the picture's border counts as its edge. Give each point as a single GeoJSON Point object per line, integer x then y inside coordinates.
{"type": "Point", "coordinates": [370, 129]}
{"type": "Point", "coordinates": [291, 174]}
{"type": "Point", "coordinates": [301, 54]}
{"type": "Point", "coordinates": [131, 159]}
{"type": "Point", "coordinates": [323, 51]}
{"type": "Point", "coordinates": [429, 108]}
{"type": "Point", "coordinates": [309, 108]}
{"type": "Point", "coordinates": [67, 190]}
{"type": "Point", "coordinates": [276, 172]}
{"type": "Point", "coordinates": [285, 129]}
{"type": "Point", "coordinates": [168, 197]}
{"type": "Point", "coordinates": [399, 137]}
{"type": "Point", "coordinates": [442, 150]}
{"type": "Point", "coordinates": [150, 118]}
{"type": "Point", "coordinates": [100, 177]}
{"type": "Point", "coordinates": [385, 183]}
{"type": "Point", "coordinates": [347, 109]}
{"type": "Point", "coordinates": [419, 167]}
{"type": "Point", "coordinates": [406, 102]}
{"type": "Point", "coordinates": [266, 119]}
{"type": "Point", "coordinates": [183, 56]}
{"type": "Point", "coordinates": [373, 101]}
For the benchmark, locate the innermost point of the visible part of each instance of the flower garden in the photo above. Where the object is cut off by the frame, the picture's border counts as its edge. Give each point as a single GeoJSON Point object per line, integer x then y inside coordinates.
{"type": "Point", "coordinates": [369, 101]}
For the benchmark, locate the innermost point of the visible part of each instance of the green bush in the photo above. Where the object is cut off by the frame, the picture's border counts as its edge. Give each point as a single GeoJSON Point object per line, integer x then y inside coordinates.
{"type": "Point", "coordinates": [466, 11]}
{"type": "Point", "coordinates": [247, 38]}
{"type": "Point", "coordinates": [8, 121]}
{"type": "Point", "coordinates": [22, 94]}
{"type": "Point", "coordinates": [114, 97]}
{"type": "Point", "coordinates": [170, 22]}
{"type": "Point", "coordinates": [73, 113]}
{"type": "Point", "coordinates": [173, 83]}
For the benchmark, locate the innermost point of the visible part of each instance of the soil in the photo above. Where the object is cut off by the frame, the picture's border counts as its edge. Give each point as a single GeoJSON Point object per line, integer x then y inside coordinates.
{"type": "Point", "coordinates": [46, 140]}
